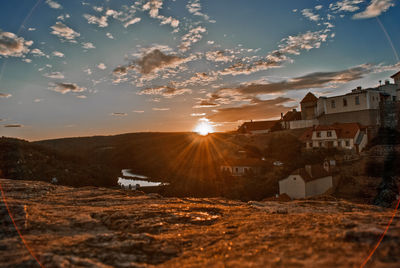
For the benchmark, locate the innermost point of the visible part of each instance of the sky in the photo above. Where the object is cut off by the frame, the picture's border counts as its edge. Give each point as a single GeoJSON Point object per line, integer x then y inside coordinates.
{"type": "Point", "coordinates": [80, 68]}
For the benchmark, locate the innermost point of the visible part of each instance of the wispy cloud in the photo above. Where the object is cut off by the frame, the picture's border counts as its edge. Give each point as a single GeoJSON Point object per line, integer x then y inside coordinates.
{"type": "Point", "coordinates": [309, 14]}
{"type": "Point", "coordinates": [5, 95]}
{"type": "Point", "coordinates": [88, 45]}
{"type": "Point", "coordinates": [64, 88]}
{"type": "Point", "coordinates": [345, 6]}
{"type": "Point", "coordinates": [119, 114]}
{"type": "Point", "coordinates": [374, 9]}
{"type": "Point", "coordinates": [165, 91]}
{"type": "Point", "coordinates": [193, 36]}
{"type": "Point", "coordinates": [54, 75]}
{"type": "Point", "coordinates": [257, 109]}
{"type": "Point", "coordinates": [64, 32]}
{"type": "Point", "coordinates": [132, 21]}
{"type": "Point", "coordinates": [58, 54]}
{"type": "Point", "coordinates": [13, 126]}
{"type": "Point", "coordinates": [101, 66]}
{"type": "Point", "coordinates": [160, 109]}
{"type": "Point", "coordinates": [100, 21]}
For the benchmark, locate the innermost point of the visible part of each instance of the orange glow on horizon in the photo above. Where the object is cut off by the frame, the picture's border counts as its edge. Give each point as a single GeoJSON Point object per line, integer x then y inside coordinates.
{"type": "Point", "coordinates": [204, 127]}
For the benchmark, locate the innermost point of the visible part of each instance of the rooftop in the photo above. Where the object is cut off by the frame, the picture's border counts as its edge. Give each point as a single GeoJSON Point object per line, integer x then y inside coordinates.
{"type": "Point", "coordinates": [311, 172]}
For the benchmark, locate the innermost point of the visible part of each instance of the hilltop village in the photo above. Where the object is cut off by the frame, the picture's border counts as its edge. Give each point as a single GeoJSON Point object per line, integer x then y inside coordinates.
{"type": "Point", "coordinates": [344, 123]}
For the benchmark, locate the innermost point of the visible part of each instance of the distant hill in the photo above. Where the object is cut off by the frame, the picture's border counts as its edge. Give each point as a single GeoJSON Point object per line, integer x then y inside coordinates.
{"type": "Point", "coordinates": [21, 159]}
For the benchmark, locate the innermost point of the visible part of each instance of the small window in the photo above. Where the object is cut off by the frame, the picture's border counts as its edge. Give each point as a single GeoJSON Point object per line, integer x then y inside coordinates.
{"type": "Point", "coordinates": [344, 102]}
{"type": "Point", "coordinates": [310, 144]}
{"type": "Point", "coordinates": [347, 143]}
{"type": "Point", "coordinates": [294, 178]}
{"type": "Point", "coordinates": [320, 144]}
{"type": "Point", "coordinates": [319, 134]}
{"type": "Point", "coordinates": [333, 104]}
{"type": "Point", "coordinates": [329, 134]}
{"type": "Point", "coordinates": [357, 100]}
{"type": "Point", "coordinates": [237, 170]}
{"type": "Point", "coordinates": [394, 98]}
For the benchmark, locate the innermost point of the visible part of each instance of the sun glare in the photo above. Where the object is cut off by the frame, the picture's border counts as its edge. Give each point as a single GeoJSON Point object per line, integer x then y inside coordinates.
{"type": "Point", "coordinates": [204, 127]}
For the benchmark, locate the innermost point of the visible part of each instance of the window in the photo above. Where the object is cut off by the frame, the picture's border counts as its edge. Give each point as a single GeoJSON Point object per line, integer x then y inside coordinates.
{"type": "Point", "coordinates": [329, 134]}
{"type": "Point", "coordinates": [333, 104]}
{"type": "Point", "coordinates": [357, 100]}
{"type": "Point", "coordinates": [347, 143]}
{"type": "Point", "coordinates": [320, 144]}
{"type": "Point", "coordinates": [319, 134]}
{"type": "Point", "coordinates": [344, 102]}
{"type": "Point", "coordinates": [394, 98]}
{"type": "Point", "coordinates": [237, 170]}
{"type": "Point", "coordinates": [294, 178]}
{"type": "Point", "coordinates": [310, 144]}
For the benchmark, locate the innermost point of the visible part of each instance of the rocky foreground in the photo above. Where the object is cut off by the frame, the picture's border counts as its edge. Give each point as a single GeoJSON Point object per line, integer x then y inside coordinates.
{"type": "Point", "coordinates": [98, 227]}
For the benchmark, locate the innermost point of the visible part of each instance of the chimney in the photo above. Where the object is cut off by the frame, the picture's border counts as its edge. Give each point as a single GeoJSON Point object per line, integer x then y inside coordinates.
{"type": "Point", "coordinates": [359, 88]}
{"type": "Point", "coordinates": [308, 170]}
{"type": "Point", "coordinates": [294, 110]}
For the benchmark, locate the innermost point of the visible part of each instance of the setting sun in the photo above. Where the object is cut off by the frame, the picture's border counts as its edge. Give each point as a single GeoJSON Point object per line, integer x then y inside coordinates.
{"type": "Point", "coordinates": [204, 127]}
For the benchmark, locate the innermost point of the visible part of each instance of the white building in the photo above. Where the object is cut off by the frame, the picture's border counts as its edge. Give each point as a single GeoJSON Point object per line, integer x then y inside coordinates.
{"type": "Point", "coordinates": [350, 136]}
{"type": "Point", "coordinates": [306, 182]}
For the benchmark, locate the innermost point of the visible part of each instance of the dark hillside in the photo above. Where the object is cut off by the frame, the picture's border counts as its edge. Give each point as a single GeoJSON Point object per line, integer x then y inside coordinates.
{"type": "Point", "coordinates": [20, 159]}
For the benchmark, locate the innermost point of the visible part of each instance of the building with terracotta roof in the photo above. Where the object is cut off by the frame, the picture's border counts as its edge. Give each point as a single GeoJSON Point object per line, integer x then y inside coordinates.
{"type": "Point", "coordinates": [307, 182]}
{"type": "Point", "coordinates": [242, 167]}
{"type": "Point", "coordinates": [350, 136]}
{"type": "Point", "coordinates": [396, 78]}
{"type": "Point", "coordinates": [309, 106]}
{"type": "Point", "coordinates": [259, 127]}
{"type": "Point", "coordinates": [289, 117]}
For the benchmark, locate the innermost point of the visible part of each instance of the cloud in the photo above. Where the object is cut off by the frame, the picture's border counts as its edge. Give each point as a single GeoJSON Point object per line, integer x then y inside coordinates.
{"type": "Point", "coordinates": [81, 97]}
{"type": "Point", "coordinates": [219, 56]}
{"type": "Point", "coordinates": [165, 91]}
{"type": "Point", "coordinates": [53, 4]}
{"type": "Point", "coordinates": [64, 32]}
{"type": "Point", "coordinates": [132, 21]}
{"type": "Point", "coordinates": [31, 29]}
{"type": "Point", "coordinates": [37, 100]}
{"type": "Point", "coordinates": [202, 103]}
{"type": "Point", "coordinates": [5, 95]}
{"type": "Point", "coordinates": [309, 40]}
{"type": "Point", "coordinates": [109, 35]}
{"type": "Point", "coordinates": [12, 45]}
{"type": "Point", "coordinates": [194, 7]}
{"type": "Point", "coordinates": [312, 80]}
{"type": "Point", "coordinates": [345, 6]}
{"type": "Point", "coordinates": [88, 45]}
{"type": "Point", "coordinates": [37, 52]}
{"type": "Point", "coordinates": [138, 111]}
{"type": "Point", "coordinates": [308, 13]}
{"type": "Point", "coordinates": [58, 54]}
{"type": "Point", "coordinates": [156, 60]}
{"type": "Point", "coordinates": [54, 75]}
{"type": "Point", "coordinates": [153, 6]}
{"type": "Point", "coordinates": [66, 87]}
{"type": "Point", "coordinates": [197, 114]}
{"type": "Point", "coordinates": [101, 66]}
{"type": "Point", "coordinates": [193, 36]}
{"type": "Point", "coordinates": [119, 114]}
{"type": "Point", "coordinates": [13, 126]}
{"type": "Point", "coordinates": [160, 109]}
{"type": "Point", "coordinates": [374, 9]}
{"type": "Point", "coordinates": [100, 21]}
{"type": "Point", "coordinates": [257, 109]}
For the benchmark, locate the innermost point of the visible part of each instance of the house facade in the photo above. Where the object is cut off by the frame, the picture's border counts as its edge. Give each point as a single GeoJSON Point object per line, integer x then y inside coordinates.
{"type": "Point", "coordinates": [306, 182]}
{"type": "Point", "coordinates": [242, 167]}
{"type": "Point", "coordinates": [360, 106]}
{"type": "Point", "coordinates": [348, 136]}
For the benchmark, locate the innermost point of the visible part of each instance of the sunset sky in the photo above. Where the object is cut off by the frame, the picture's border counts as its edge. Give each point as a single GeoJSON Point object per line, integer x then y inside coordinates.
{"type": "Point", "coordinates": [77, 68]}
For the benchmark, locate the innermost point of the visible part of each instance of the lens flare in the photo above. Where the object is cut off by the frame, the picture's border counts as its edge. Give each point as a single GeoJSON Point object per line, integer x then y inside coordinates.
{"type": "Point", "coordinates": [204, 127]}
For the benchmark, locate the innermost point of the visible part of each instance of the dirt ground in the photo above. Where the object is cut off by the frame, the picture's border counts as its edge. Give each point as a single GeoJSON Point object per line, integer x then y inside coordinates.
{"type": "Point", "coordinates": [99, 227]}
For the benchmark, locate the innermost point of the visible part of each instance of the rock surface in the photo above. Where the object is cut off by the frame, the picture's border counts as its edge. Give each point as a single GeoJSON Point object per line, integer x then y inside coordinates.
{"type": "Point", "coordinates": [99, 227]}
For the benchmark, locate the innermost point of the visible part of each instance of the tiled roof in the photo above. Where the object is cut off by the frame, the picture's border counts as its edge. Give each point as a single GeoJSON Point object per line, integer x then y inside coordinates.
{"type": "Point", "coordinates": [314, 172]}
{"type": "Point", "coordinates": [343, 130]}
{"type": "Point", "coordinates": [309, 98]}
{"type": "Point", "coordinates": [258, 125]}
{"type": "Point", "coordinates": [396, 74]}
{"type": "Point", "coordinates": [292, 116]}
